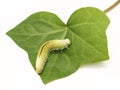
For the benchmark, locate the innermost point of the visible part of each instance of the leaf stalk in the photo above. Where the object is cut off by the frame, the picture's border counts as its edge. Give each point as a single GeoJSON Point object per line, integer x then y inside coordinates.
{"type": "Point", "coordinates": [112, 6]}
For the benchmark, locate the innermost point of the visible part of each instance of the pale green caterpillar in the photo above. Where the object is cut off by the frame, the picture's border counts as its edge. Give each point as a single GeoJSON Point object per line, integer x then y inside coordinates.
{"type": "Point", "coordinates": [45, 50]}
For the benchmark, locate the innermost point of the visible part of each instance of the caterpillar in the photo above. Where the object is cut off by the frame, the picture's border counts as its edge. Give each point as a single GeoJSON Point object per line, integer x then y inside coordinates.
{"type": "Point", "coordinates": [45, 49]}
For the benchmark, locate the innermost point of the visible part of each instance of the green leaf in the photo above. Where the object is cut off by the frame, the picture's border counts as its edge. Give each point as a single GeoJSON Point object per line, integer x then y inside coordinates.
{"type": "Point", "coordinates": [85, 28]}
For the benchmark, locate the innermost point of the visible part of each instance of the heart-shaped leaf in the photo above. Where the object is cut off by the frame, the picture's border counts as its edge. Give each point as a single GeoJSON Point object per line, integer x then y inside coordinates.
{"type": "Point", "coordinates": [85, 28]}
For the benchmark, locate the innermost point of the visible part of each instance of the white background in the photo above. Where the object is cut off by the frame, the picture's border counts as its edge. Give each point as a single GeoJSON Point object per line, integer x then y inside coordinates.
{"type": "Point", "coordinates": [16, 72]}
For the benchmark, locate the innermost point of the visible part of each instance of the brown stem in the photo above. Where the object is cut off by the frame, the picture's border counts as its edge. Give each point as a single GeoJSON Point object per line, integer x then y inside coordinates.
{"type": "Point", "coordinates": [112, 6]}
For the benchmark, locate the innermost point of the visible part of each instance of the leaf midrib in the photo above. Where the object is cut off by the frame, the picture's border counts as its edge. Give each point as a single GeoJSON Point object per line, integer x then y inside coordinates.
{"type": "Point", "coordinates": [32, 35]}
{"type": "Point", "coordinates": [87, 43]}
